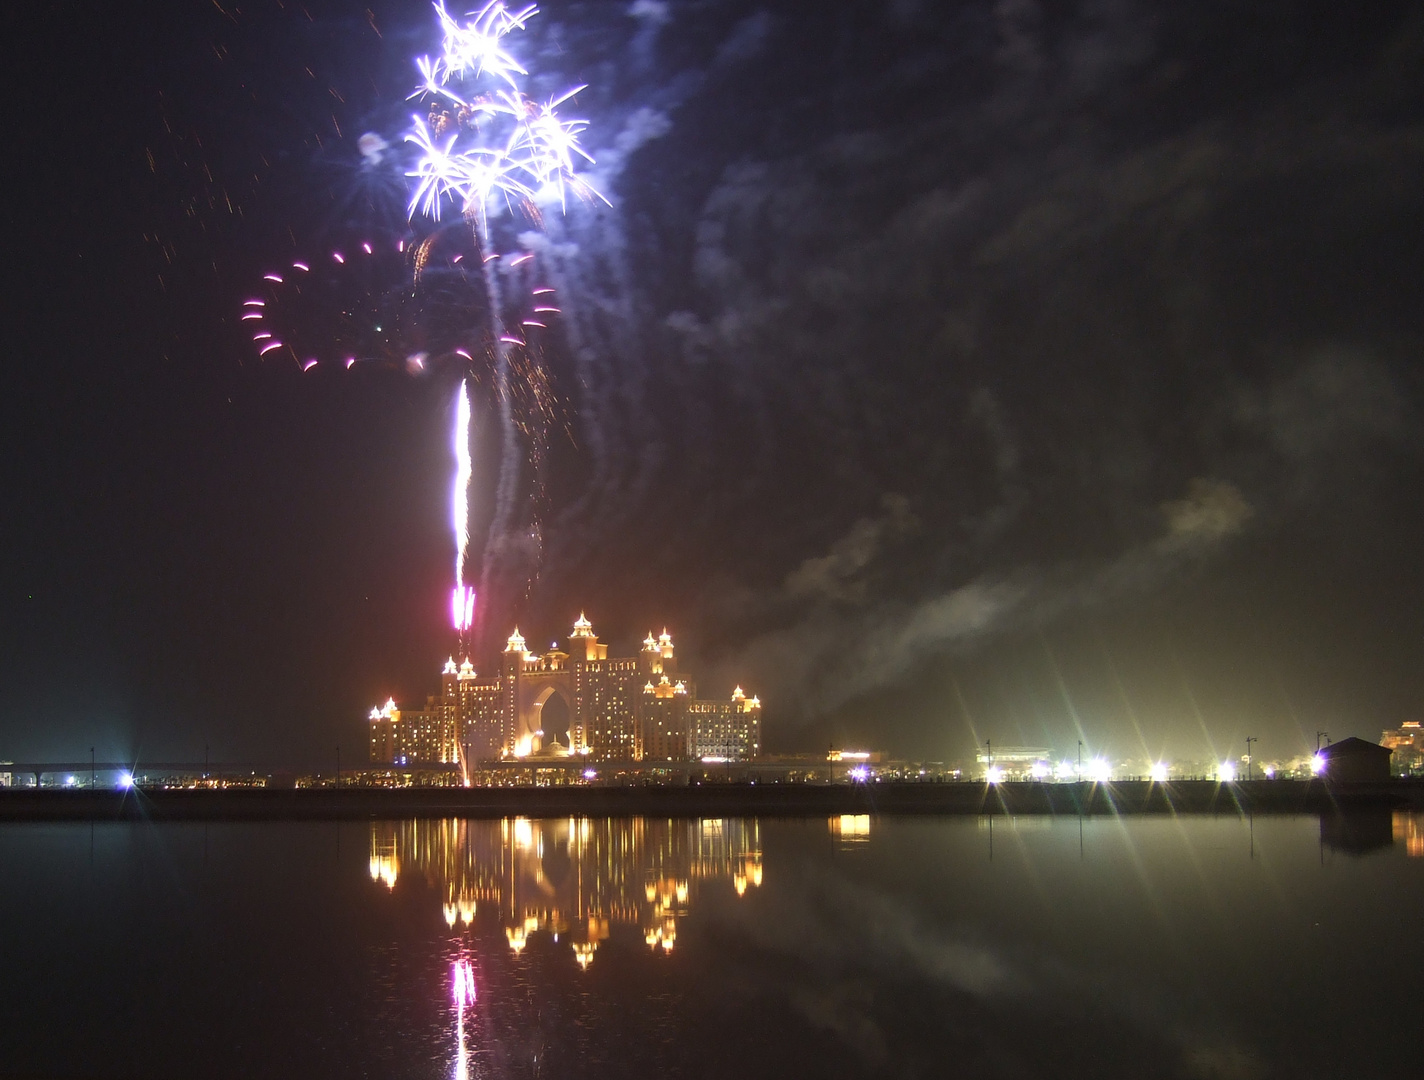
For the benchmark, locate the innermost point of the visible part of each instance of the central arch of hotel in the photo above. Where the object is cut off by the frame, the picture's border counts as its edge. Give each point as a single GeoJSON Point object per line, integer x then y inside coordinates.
{"type": "Point", "coordinates": [535, 690]}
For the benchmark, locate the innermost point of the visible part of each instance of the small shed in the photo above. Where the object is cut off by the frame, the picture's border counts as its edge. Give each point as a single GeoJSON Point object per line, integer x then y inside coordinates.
{"type": "Point", "coordinates": [1355, 761]}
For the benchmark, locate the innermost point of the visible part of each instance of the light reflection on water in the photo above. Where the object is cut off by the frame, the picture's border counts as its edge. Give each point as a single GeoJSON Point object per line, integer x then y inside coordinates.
{"type": "Point", "coordinates": [570, 878]}
{"type": "Point", "coordinates": [849, 946]}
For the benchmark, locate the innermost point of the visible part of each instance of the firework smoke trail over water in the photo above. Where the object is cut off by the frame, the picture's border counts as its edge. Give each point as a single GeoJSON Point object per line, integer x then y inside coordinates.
{"type": "Point", "coordinates": [475, 147]}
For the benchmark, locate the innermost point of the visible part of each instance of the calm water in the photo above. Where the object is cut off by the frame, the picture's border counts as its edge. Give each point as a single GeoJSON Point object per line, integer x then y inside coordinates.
{"type": "Point", "coordinates": [1201, 947]}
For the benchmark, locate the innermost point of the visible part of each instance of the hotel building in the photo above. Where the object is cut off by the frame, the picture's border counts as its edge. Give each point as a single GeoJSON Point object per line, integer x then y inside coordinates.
{"type": "Point", "coordinates": [563, 703]}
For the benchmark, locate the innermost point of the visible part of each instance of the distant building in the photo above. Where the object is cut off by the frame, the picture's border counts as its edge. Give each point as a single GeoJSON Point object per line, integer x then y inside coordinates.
{"type": "Point", "coordinates": [564, 703]}
{"type": "Point", "coordinates": [1407, 742]}
{"type": "Point", "coordinates": [1354, 761]}
{"type": "Point", "coordinates": [1017, 762]}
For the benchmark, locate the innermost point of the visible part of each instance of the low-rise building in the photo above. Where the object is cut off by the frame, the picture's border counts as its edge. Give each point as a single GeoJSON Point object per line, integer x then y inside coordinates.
{"type": "Point", "coordinates": [1354, 761]}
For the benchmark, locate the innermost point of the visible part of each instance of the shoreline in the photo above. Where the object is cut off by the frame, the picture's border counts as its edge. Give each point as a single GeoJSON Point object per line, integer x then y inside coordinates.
{"type": "Point", "coordinates": [712, 800]}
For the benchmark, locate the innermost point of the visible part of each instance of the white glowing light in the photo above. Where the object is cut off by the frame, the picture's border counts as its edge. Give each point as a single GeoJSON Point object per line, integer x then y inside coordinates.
{"type": "Point", "coordinates": [1317, 764]}
{"type": "Point", "coordinates": [860, 773]}
{"type": "Point", "coordinates": [1159, 773]}
{"type": "Point", "coordinates": [1099, 771]}
{"type": "Point", "coordinates": [126, 780]}
{"type": "Point", "coordinates": [995, 775]}
{"type": "Point", "coordinates": [476, 46]}
{"type": "Point", "coordinates": [463, 983]}
{"type": "Point", "coordinates": [1226, 772]}
{"type": "Point", "coordinates": [590, 774]}
{"type": "Point", "coordinates": [517, 146]}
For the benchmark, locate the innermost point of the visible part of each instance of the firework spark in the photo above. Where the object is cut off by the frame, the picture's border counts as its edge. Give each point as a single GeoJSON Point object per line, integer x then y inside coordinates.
{"type": "Point", "coordinates": [356, 305]}
{"type": "Point", "coordinates": [479, 146]}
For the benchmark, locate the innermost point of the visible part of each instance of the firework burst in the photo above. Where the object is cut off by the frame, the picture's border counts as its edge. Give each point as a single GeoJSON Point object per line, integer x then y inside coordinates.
{"type": "Point", "coordinates": [483, 146]}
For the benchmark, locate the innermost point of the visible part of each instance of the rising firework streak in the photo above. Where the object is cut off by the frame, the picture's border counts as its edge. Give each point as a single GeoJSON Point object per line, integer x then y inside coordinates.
{"type": "Point", "coordinates": [478, 144]}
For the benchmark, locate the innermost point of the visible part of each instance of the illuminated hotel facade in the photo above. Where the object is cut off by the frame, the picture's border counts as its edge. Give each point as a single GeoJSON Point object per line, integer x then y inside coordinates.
{"type": "Point", "coordinates": [625, 709]}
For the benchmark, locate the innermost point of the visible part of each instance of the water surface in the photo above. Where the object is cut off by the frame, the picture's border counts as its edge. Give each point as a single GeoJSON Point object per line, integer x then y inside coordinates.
{"type": "Point", "coordinates": [1194, 947]}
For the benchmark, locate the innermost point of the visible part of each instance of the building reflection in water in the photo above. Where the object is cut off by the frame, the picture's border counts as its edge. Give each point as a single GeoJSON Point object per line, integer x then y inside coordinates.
{"type": "Point", "coordinates": [850, 830]}
{"type": "Point", "coordinates": [572, 878]}
{"type": "Point", "coordinates": [1409, 829]}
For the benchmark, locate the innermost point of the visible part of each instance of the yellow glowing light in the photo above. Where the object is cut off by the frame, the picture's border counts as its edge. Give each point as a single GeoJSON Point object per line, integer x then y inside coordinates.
{"type": "Point", "coordinates": [1159, 773]}
{"type": "Point", "coordinates": [739, 882]}
{"type": "Point", "coordinates": [523, 833]}
{"type": "Point", "coordinates": [450, 915]}
{"type": "Point", "coordinates": [850, 825]}
{"type": "Point", "coordinates": [516, 938]}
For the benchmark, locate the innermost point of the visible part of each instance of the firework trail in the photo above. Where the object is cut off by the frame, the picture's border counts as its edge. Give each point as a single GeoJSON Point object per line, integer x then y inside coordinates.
{"type": "Point", "coordinates": [480, 146]}
{"type": "Point", "coordinates": [462, 601]}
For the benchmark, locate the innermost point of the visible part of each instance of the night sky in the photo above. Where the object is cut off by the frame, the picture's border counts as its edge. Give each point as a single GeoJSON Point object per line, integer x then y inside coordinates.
{"type": "Point", "coordinates": [942, 371]}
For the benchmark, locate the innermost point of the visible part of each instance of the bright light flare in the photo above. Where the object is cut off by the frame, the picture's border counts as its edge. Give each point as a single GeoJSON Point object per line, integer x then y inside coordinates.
{"type": "Point", "coordinates": [1158, 773]}
{"type": "Point", "coordinates": [995, 775]}
{"type": "Point", "coordinates": [1099, 771]}
{"type": "Point", "coordinates": [1226, 772]}
{"type": "Point", "coordinates": [126, 781]}
{"type": "Point", "coordinates": [1317, 764]}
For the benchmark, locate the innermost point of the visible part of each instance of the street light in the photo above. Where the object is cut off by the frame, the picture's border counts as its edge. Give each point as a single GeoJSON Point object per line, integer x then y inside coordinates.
{"type": "Point", "coordinates": [1249, 740]}
{"type": "Point", "coordinates": [91, 768]}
